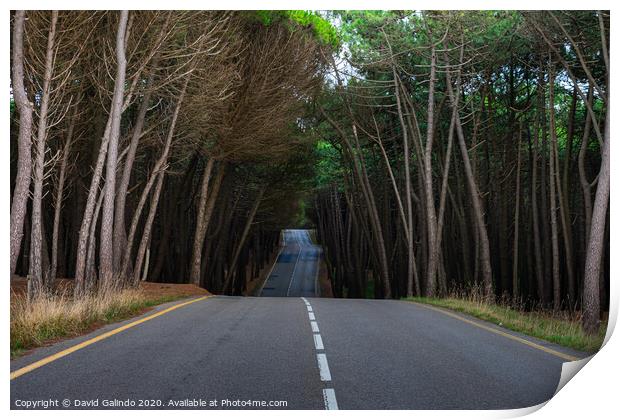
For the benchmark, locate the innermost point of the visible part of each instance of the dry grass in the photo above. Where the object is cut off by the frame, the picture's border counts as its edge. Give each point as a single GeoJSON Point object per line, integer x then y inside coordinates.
{"type": "Point", "coordinates": [52, 317]}
{"type": "Point", "coordinates": [562, 328]}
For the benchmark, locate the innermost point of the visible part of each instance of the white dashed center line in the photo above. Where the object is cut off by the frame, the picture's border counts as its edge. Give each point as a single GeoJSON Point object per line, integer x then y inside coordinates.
{"type": "Point", "coordinates": [323, 367]}
{"type": "Point", "coordinates": [315, 326]}
{"type": "Point", "coordinates": [318, 342]}
{"type": "Point", "coordinates": [329, 395]}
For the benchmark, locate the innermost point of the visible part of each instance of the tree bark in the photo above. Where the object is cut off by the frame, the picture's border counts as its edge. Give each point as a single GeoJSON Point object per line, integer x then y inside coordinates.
{"type": "Point", "coordinates": [485, 254]}
{"type": "Point", "coordinates": [160, 166]}
{"type": "Point", "coordinates": [120, 230]}
{"type": "Point", "coordinates": [24, 141]}
{"type": "Point", "coordinates": [411, 266]}
{"type": "Point", "coordinates": [594, 252]}
{"type": "Point", "coordinates": [431, 216]}
{"type": "Point", "coordinates": [107, 247]}
{"type": "Point", "coordinates": [201, 224]}
{"type": "Point", "coordinates": [60, 195]}
{"type": "Point", "coordinates": [248, 224]}
{"type": "Point", "coordinates": [515, 243]}
{"type": "Point", "coordinates": [555, 252]}
{"type": "Point", "coordinates": [36, 280]}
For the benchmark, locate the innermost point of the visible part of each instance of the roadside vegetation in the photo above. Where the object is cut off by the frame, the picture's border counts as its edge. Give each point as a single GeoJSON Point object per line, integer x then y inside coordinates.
{"type": "Point", "coordinates": [50, 317]}
{"type": "Point", "coordinates": [561, 328]}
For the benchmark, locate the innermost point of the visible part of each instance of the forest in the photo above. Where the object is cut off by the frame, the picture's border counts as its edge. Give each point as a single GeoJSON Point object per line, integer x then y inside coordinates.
{"type": "Point", "coordinates": [433, 152]}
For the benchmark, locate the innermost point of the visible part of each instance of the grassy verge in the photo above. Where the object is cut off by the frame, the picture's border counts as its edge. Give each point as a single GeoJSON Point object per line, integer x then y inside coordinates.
{"type": "Point", "coordinates": [558, 328]}
{"type": "Point", "coordinates": [50, 318]}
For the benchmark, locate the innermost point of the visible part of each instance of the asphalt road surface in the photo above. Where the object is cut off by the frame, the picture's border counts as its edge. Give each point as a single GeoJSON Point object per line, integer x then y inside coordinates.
{"type": "Point", "coordinates": [296, 269]}
{"type": "Point", "coordinates": [293, 352]}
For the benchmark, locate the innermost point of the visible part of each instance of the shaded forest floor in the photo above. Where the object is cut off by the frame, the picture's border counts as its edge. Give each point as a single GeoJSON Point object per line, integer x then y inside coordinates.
{"type": "Point", "coordinates": [58, 316]}
{"type": "Point", "coordinates": [560, 328]}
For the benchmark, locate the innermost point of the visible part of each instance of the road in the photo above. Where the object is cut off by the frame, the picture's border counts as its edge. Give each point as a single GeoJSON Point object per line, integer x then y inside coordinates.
{"type": "Point", "coordinates": [309, 352]}
{"type": "Point", "coordinates": [296, 268]}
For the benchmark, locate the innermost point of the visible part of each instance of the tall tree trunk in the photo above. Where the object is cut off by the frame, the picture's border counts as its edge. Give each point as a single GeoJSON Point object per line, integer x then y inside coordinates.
{"type": "Point", "coordinates": [107, 247]}
{"type": "Point", "coordinates": [160, 166]}
{"type": "Point", "coordinates": [515, 244]}
{"type": "Point", "coordinates": [596, 243]}
{"type": "Point", "coordinates": [443, 193]}
{"type": "Point", "coordinates": [485, 254]}
{"type": "Point", "coordinates": [552, 194]}
{"type": "Point", "coordinates": [586, 186]}
{"type": "Point", "coordinates": [146, 234]}
{"type": "Point", "coordinates": [36, 279]}
{"type": "Point", "coordinates": [201, 224]}
{"type": "Point", "coordinates": [538, 262]}
{"type": "Point", "coordinates": [60, 195]}
{"type": "Point", "coordinates": [248, 225]}
{"type": "Point", "coordinates": [411, 268]}
{"type": "Point", "coordinates": [24, 161]}
{"type": "Point", "coordinates": [431, 216]}
{"type": "Point", "coordinates": [120, 231]}
{"type": "Point", "coordinates": [91, 201]}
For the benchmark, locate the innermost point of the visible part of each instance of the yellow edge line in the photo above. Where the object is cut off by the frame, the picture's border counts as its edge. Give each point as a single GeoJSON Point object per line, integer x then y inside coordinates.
{"type": "Point", "coordinates": [502, 333]}
{"type": "Point", "coordinates": [63, 353]}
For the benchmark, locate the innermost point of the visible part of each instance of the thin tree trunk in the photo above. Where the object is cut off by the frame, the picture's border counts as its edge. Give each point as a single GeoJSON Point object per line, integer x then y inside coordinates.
{"type": "Point", "coordinates": [213, 195]}
{"type": "Point", "coordinates": [586, 186]}
{"type": "Point", "coordinates": [515, 244]}
{"type": "Point", "coordinates": [443, 193]}
{"type": "Point", "coordinates": [201, 228]}
{"type": "Point", "coordinates": [431, 216]}
{"type": "Point", "coordinates": [120, 231]}
{"type": "Point", "coordinates": [107, 246]}
{"type": "Point", "coordinates": [160, 166]}
{"type": "Point", "coordinates": [90, 271]}
{"type": "Point", "coordinates": [596, 243]}
{"type": "Point", "coordinates": [148, 225]}
{"type": "Point", "coordinates": [411, 268]}
{"type": "Point", "coordinates": [555, 252]}
{"type": "Point", "coordinates": [485, 255]}
{"type": "Point", "coordinates": [36, 281]}
{"type": "Point", "coordinates": [83, 236]}
{"type": "Point", "coordinates": [538, 263]}
{"type": "Point", "coordinates": [60, 195]}
{"type": "Point", "coordinates": [246, 230]}
{"type": "Point", "coordinates": [24, 141]}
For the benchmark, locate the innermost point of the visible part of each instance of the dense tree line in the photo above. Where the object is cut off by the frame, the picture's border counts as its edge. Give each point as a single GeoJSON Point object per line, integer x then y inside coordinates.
{"type": "Point", "coordinates": [435, 151]}
{"type": "Point", "coordinates": [468, 151]}
{"type": "Point", "coordinates": [145, 145]}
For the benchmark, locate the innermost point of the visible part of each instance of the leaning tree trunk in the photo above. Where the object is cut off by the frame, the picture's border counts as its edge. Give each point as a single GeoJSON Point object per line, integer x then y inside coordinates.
{"type": "Point", "coordinates": [485, 254]}
{"type": "Point", "coordinates": [201, 224]}
{"type": "Point", "coordinates": [120, 231]}
{"type": "Point", "coordinates": [24, 140]}
{"type": "Point", "coordinates": [146, 235]}
{"type": "Point", "coordinates": [160, 167]}
{"type": "Point", "coordinates": [244, 235]}
{"type": "Point", "coordinates": [586, 186]}
{"type": "Point", "coordinates": [596, 244]}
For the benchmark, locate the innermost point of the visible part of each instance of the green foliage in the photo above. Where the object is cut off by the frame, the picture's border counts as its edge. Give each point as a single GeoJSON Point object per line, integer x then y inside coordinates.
{"type": "Point", "coordinates": [328, 168]}
{"type": "Point", "coordinates": [322, 29]}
